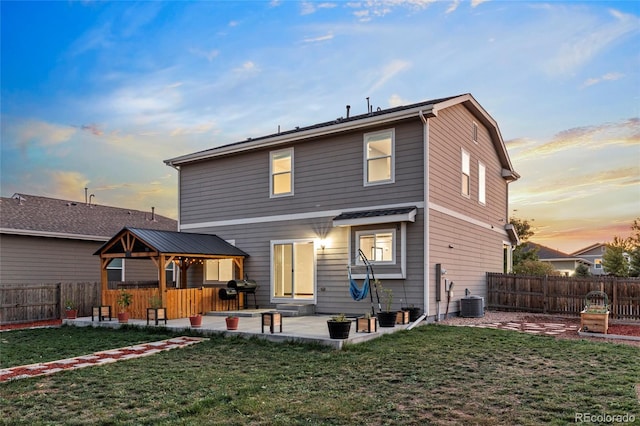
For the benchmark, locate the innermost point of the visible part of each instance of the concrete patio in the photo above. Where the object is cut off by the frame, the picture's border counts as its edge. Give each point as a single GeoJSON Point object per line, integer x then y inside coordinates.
{"type": "Point", "coordinates": [308, 329]}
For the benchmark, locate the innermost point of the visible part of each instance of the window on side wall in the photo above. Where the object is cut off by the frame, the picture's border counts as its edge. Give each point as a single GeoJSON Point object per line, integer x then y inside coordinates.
{"type": "Point", "coordinates": [217, 270]}
{"type": "Point", "coordinates": [379, 157]}
{"type": "Point", "coordinates": [377, 245]}
{"type": "Point", "coordinates": [597, 263]}
{"type": "Point", "coordinates": [281, 172]}
{"type": "Point", "coordinates": [466, 173]}
{"type": "Point", "coordinates": [482, 191]}
{"type": "Point", "coordinates": [115, 270]}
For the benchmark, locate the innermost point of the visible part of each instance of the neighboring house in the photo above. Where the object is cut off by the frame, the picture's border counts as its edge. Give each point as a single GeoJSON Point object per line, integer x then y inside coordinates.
{"type": "Point", "coordinates": [412, 186]}
{"type": "Point", "coordinates": [564, 263]}
{"type": "Point", "coordinates": [593, 254]}
{"type": "Point", "coordinates": [47, 240]}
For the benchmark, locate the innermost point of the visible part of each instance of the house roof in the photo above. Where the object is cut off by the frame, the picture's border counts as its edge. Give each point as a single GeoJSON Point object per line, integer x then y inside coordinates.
{"type": "Point", "coordinates": [548, 254]}
{"type": "Point", "coordinates": [424, 109]}
{"type": "Point", "coordinates": [399, 214]}
{"type": "Point", "coordinates": [33, 215]}
{"type": "Point", "coordinates": [587, 249]}
{"type": "Point", "coordinates": [171, 242]}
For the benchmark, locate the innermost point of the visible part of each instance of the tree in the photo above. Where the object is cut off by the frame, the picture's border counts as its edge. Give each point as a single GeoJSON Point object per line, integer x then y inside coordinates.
{"type": "Point", "coordinates": [614, 261]}
{"type": "Point", "coordinates": [534, 267]}
{"type": "Point", "coordinates": [634, 266]}
{"type": "Point", "coordinates": [582, 271]}
{"type": "Point", "coordinates": [521, 253]}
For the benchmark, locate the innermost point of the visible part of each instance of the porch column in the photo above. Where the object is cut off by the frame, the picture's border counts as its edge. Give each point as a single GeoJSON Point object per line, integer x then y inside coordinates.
{"type": "Point", "coordinates": [162, 279]}
{"type": "Point", "coordinates": [104, 279]}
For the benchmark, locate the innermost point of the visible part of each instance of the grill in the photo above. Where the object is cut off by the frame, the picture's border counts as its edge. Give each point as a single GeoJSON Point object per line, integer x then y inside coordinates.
{"type": "Point", "coordinates": [229, 296]}
{"type": "Point", "coordinates": [244, 286]}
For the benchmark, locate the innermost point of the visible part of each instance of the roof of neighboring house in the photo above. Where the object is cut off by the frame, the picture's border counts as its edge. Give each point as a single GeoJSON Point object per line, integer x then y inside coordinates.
{"type": "Point", "coordinates": [173, 242]}
{"type": "Point", "coordinates": [425, 109]}
{"type": "Point", "coordinates": [549, 254]}
{"type": "Point", "coordinates": [587, 249]}
{"type": "Point", "coordinates": [33, 215]}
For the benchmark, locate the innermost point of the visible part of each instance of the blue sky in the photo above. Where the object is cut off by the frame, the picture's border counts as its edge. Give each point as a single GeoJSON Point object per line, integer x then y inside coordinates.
{"type": "Point", "coordinates": [98, 94]}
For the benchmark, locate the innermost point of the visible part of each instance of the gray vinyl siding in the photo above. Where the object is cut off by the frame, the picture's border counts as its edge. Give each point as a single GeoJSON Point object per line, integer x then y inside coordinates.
{"type": "Point", "coordinates": [25, 259]}
{"type": "Point", "coordinates": [331, 274]}
{"type": "Point", "coordinates": [476, 249]}
{"type": "Point", "coordinates": [328, 174]}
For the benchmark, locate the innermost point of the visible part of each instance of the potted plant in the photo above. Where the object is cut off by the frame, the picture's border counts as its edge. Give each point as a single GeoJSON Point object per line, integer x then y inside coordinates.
{"type": "Point", "coordinates": [71, 310]}
{"type": "Point", "coordinates": [366, 323]}
{"type": "Point", "coordinates": [232, 322]}
{"type": "Point", "coordinates": [414, 312]}
{"type": "Point", "coordinates": [386, 318]}
{"type": "Point", "coordinates": [595, 316]}
{"type": "Point", "coordinates": [156, 312]}
{"type": "Point", "coordinates": [124, 301]}
{"type": "Point", "coordinates": [339, 327]}
{"type": "Point", "coordinates": [195, 320]}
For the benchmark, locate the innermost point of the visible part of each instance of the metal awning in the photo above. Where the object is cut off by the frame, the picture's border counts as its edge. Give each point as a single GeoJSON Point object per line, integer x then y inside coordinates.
{"type": "Point", "coordinates": [370, 217]}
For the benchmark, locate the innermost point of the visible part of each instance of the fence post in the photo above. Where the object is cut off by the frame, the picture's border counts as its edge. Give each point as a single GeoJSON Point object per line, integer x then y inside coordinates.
{"type": "Point", "coordinates": [614, 299]}
{"type": "Point", "coordinates": [544, 295]}
{"type": "Point", "coordinates": [59, 301]}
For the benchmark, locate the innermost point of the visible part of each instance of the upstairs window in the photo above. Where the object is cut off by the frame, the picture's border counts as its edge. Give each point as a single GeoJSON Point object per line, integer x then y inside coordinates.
{"type": "Point", "coordinates": [281, 172]}
{"type": "Point", "coordinates": [482, 192]}
{"type": "Point", "coordinates": [466, 173]}
{"type": "Point", "coordinates": [379, 157]}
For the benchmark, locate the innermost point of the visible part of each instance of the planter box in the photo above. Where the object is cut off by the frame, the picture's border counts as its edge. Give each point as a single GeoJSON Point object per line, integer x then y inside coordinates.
{"type": "Point", "coordinates": [156, 314]}
{"type": "Point", "coordinates": [597, 322]}
{"type": "Point", "coordinates": [366, 325]}
{"type": "Point", "coordinates": [402, 317]}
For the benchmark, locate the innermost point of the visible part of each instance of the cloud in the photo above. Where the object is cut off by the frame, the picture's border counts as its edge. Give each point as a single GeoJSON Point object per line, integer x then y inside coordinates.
{"type": "Point", "coordinates": [36, 133]}
{"type": "Point", "coordinates": [93, 129]}
{"type": "Point", "coordinates": [612, 76]}
{"type": "Point", "coordinates": [209, 55]}
{"type": "Point", "coordinates": [585, 38]}
{"type": "Point", "coordinates": [366, 10]}
{"type": "Point", "coordinates": [329, 36]}
{"type": "Point", "coordinates": [624, 133]}
{"type": "Point", "coordinates": [66, 184]}
{"type": "Point", "coordinates": [453, 6]}
{"type": "Point", "coordinates": [476, 3]}
{"type": "Point", "coordinates": [396, 100]}
{"type": "Point", "coordinates": [388, 72]}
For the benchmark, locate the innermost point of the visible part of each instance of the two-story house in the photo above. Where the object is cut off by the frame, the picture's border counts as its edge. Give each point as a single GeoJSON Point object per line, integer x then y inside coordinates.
{"type": "Point", "coordinates": [594, 254]}
{"type": "Point", "coordinates": [411, 186]}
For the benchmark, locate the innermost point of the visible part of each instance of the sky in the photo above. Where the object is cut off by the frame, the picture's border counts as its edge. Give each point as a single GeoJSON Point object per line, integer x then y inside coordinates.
{"type": "Point", "coordinates": [97, 94]}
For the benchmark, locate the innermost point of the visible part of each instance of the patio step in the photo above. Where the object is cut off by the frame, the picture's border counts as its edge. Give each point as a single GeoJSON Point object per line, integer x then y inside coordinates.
{"type": "Point", "coordinates": [295, 309]}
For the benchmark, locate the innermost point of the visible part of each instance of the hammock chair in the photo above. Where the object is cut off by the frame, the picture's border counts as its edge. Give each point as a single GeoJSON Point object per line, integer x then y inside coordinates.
{"type": "Point", "coordinates": [358, 293]}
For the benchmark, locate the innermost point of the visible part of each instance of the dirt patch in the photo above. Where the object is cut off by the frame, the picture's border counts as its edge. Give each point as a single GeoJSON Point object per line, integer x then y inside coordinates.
{"type": "Point", "coordinates": [32, 324]}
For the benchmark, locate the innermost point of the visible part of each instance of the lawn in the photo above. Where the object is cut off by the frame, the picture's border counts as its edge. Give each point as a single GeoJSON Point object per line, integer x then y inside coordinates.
{"type": "Point", "coordinates": [434, 374]}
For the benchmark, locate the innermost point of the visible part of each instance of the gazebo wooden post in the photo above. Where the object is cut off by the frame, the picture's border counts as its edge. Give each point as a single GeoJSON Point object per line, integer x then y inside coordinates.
{"type": "Point", "coordinates": [104, 279]}
{"type": "Point", "coordinates": [162, 279]}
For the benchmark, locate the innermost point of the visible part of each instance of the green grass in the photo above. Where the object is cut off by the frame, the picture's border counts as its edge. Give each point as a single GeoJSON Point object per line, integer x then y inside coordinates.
{"type": "Point", "coordinates": [431, 375]}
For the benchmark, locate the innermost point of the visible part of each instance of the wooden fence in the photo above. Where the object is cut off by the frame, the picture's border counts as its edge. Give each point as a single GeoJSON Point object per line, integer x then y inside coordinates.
{"type": "Point", "coordinates": [41, 302]}
{"type": "Point", "coordinates": [562, 295]}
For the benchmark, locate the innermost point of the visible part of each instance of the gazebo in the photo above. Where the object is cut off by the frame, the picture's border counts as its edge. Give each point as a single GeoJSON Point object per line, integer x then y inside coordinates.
{"type": "Point", "coordinates": [163, 248]}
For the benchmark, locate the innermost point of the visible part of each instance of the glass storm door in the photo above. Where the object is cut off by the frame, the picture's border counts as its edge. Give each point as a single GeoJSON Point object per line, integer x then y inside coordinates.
{"type": "Point", "coordinates": [294, 270]}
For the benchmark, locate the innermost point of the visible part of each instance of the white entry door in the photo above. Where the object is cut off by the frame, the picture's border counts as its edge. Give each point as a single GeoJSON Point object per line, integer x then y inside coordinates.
{"type": "Point", "coordinates": [293, 266]}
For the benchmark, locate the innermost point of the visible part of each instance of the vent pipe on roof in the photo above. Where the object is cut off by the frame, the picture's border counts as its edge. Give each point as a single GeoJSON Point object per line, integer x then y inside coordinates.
{"type": "Point", "coordinates": [348, 108]}
{"type": "Point", "coordinates": [368, 106]}
{"type": "Point", "coordinates": [90, 197]}
{"type": "Point", "coordinates": [153, 214]}
{"type": "Point", "coordinates": [86, 200]}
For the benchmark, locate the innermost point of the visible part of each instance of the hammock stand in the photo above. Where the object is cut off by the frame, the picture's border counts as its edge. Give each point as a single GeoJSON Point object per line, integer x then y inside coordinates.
{"type": "Point", "coordinates": [360, 292]}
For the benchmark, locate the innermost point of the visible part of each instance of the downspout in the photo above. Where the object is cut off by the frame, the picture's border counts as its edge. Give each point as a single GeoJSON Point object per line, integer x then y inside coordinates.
{"type": "Point", "coordinates": [426, 269]}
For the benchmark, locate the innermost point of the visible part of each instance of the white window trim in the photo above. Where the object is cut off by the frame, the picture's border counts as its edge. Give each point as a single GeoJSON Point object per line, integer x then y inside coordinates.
{"type": "Point", "coordinates": [474, 132]}
{"type": "Point", "coordinates": [272, 297]}
{"type": "Point", "coordinates": [394, 241]}
{"type": "Point", "coordinates": [402, 255]}
{"type": "Point", "coordinates": [271, 155]}
{"type": "Point", "coordinates": [392, 174]}
{"type": "Point", "coordinates": [121, 269]}
{"type": "Point", "coordinates": [482, 183]}
{"type": "Point", "coordinates": [462, 153]}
